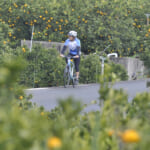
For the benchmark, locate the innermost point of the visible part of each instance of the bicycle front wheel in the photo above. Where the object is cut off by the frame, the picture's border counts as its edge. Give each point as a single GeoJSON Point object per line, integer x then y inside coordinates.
{"type": "Point", "coordinates": [66, 77]}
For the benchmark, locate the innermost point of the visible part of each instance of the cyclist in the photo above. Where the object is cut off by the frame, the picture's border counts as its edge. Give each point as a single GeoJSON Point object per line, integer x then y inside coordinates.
{"type": "Point", "coordinates": [74, 45]}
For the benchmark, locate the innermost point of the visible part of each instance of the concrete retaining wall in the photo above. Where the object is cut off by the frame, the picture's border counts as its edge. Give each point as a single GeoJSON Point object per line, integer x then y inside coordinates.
{"type": "Point", "coordinates": [132, 65]}
{"type": "Point", "coordinates": [57, 45]}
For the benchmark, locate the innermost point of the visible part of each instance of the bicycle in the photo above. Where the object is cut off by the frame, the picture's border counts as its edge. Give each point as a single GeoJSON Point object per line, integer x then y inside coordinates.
{"type": "Point", "coordinates": [69, 72]}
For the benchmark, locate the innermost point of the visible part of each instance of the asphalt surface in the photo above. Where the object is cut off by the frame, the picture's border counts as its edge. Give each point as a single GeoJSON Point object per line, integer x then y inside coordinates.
{"type": "Point", "coordinates": [49, 97]}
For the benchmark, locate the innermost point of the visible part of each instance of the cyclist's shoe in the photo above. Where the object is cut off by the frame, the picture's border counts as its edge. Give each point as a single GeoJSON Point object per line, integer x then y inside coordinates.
{"type": "Point", "coordinates": [77, 81]}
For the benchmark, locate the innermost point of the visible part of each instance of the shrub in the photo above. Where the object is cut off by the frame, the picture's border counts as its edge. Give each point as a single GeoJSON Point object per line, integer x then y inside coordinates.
{"type": "Point", "coordinates": [25, 126]}
{"type": "Point", "coordinates": [45, 68]}
{"type": "Point", "coordinates": [146, 58]}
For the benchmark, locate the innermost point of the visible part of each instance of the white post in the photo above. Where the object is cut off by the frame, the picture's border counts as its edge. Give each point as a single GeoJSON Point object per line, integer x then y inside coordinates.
{"type": "Point", "coordinates": [147, 15]}
{"type": "Point", "coordinates": [31, 38]}
{"type": "Point", "coordinates": [102, 65]}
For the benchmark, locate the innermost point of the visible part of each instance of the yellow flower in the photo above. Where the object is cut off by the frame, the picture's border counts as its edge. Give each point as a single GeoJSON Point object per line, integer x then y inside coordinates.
{"type": "Point", "coordinates": [149, 30]}
{"type": "Point", "coordinates": [48, 21]}
{"type": "Point", "coordinates": [51, 18]}
{"type": "Point", "coordinates": [40, 16]}
{"type": "Point", "coordinates": [28, 12]}
{"type": "Point", "coordinates": [4, 42]}
{"type": "Point", "coordinates": [15, 5]}
{"type": "Point", "coordinates": [73, 10]}
{"type": "Point", "coordinates": [79, 17]}
{"type": "Point", "coordinates": [44, 18]}
{"type": "Point", "coordinates": [141, 45]}
{"type": "Point", "coordinates": [24, 50]}
{"type": "Point", "coordinates": [147, 35]}
{"type": "Point", "coordinates": [49, 40]}
{"type": "Point", "coordinates": [46, 28]}
{"type": "Point", "coordinates": [56, 30]}
{"type": "Point", "coordinates": [61, 20]}
{"type": "Point", "coordinates": [39, 32]}
{"type": "Point", "coordinates": [18, 17]}
{"type": "Point", "coordinates": [98, 12]}
{"type": "Point", "coordinates": [57, 22]}
{"type": "Point", "coordinates": [59, 28]}
{"type": "Point", "coordinates": [46, 12]}
{"type": "Point", "coordinates": [33, 33]}
{"type": "Point", "coordinates": [101, 13]}
{"type": "Point", "coordinates": [49, 26]}
{"type": "Point", "coordinates": [25, 5]}
{"type": "Point", "coordinates": [46, 34]}
{"type": "Point", "coordinates": [83, 19]}
{"type": "Point", "coordinates": [42, 113]}
{"type": "Point", "coordinates": [135, 20]}
{"type": "Point", "coordinates": [26, 22]}
{"type": "Point", "coordinates": [10, 10]}
{"type": "Point", "coordinates": [130, 136]}
{"type": "Point", "coordinates": [54, 142]}
{"type": "Point", "coordinates": [66, 21]}
{"type": "Point", "coordinates": [134, 24]}
{"type": "Point", "coordinates": [10, 34]}
{"type": "Point", "coordinates": [35, 20]}
{"type": "Point", "coordinates": [14, 37]}
{"type": "Point", "coordinates": [86, 21]}
{"type": "Point", "coordinates": [21, 97]}
{"type": "Point", "coordinates": [139, 26]}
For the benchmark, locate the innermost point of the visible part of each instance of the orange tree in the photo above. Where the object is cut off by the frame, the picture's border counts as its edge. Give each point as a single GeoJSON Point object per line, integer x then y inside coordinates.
{"type": "Point", "coordinates": [99, 23]}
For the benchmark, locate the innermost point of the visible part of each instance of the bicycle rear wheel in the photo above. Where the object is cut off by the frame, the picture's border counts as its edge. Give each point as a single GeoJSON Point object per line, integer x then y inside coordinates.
{"type": "Point", "coordinates": [66, 77]}
{"type": "Point", "coordinates": [73, 83]}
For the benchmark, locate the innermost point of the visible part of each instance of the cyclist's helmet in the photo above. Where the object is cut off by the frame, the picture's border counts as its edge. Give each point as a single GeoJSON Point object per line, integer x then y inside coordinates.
{"type": "Point", "coordinates": [72, 33]}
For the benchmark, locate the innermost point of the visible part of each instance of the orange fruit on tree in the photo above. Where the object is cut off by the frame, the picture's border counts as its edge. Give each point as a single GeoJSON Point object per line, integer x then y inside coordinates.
{"type": "Point", "coordinates": [21, 97]}
{"type": "Point", "coordinates": [54, 142]}
{"type": "Point", "coordinates": [110, 132]}
{"type": "Point", "coordinates": [130, 136]}
{"type": "Point", "coordinates": [147, 35]}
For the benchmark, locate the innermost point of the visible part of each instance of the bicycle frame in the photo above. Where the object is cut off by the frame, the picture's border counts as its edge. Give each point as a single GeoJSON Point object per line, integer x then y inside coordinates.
{"type": "Point", "coordinates": [70, 65]}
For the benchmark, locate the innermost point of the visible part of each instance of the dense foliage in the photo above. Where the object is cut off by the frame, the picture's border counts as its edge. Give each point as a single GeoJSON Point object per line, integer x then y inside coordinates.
{"type": "Point", "coordinates": [122, 24]}
{"type": "Point", "coordinates": [146, 58]}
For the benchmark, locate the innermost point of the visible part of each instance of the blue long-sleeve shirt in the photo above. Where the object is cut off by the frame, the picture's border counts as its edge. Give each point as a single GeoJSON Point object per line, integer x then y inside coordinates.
{"type": "Point", "coordinates": [74, 47]}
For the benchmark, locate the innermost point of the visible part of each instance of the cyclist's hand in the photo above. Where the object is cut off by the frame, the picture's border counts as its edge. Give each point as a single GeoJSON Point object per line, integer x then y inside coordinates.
{"type": "Point", "coordinates": [61, 55]}
{"type": "Point", "coordinates": [77, 56]}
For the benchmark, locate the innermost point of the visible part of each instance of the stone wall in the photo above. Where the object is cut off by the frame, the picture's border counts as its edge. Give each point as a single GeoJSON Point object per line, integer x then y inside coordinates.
{"type": "Point", "coordinates": [57, 45]}
{"type": "Point", "coordinates": [132, 65]}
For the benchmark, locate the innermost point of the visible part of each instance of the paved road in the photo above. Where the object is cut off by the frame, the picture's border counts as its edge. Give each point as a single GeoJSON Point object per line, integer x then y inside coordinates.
{"type": "Point", "coordinates": [49, 97]}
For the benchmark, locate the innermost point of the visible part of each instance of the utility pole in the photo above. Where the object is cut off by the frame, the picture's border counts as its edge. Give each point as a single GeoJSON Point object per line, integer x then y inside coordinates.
{"type": "Point", "coordinates": [31, 38]}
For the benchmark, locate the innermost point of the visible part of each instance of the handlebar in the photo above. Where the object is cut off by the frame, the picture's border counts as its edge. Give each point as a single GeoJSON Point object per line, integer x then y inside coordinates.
{"type": "Point", "coordinates": [69, 57]}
